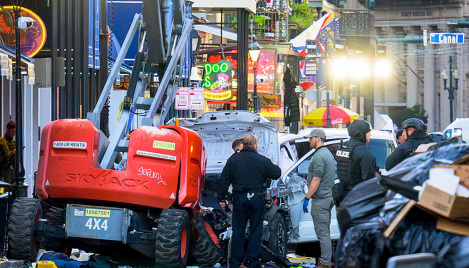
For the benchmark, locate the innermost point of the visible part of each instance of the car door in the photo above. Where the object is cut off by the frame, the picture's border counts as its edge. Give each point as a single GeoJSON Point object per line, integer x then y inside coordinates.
{"type": "Point", "coordinates": [294, 181]}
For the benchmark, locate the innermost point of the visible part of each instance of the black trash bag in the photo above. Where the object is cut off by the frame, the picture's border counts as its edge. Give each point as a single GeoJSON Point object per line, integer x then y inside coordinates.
{"type": "Point", "coordinates": [455, 254]}
{"type": "Point", "coordinates": [362, 203]}
{"type": "Point", "coordinates": [393, 204]}
{"type": "Point", "coordinates": [404, 188]}
{"type": "Point", "coordinates": [415, 169]}
{"type": "Point", "coordinates": [417, 233]}
{"type": "Point", "coordinates": [363, 246]}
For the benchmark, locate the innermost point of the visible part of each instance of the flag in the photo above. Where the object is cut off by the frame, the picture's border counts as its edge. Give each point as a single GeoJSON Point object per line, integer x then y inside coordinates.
{"type": "Point", "coordinates": [328, 7]}
{"type": "Point", "coordinates": [326, 38]}
{"type": "Point", "coordinates": [311, 33]}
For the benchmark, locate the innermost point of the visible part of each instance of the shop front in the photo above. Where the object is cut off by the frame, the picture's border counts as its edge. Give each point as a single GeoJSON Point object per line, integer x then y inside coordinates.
{"type": "Point", "coordinates": [218, 71]}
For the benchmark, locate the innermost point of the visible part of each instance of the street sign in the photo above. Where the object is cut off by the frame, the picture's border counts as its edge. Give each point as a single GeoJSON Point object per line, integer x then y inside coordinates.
{"type": "Point", "coordinates": [182, 98]}
{"type": "Point", "coordinates": [196, 98]}
{"type": "Point", "coordinates": [311, 68]}
{"type": "Point", "coordinates": [446, 38]}
{"type": "Point", "coordinates": [189, 98]}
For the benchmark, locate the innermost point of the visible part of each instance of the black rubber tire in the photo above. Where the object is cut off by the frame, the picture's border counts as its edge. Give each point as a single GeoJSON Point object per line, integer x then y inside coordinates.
{"type": "Point", "coordinates": [207, 250]}
{"type": "Point", "coordinates": [25, 213]}
{"type": "Point", "coordinates": [171, 248]}
{"type": "Point", "coordinates": [54, 217]}
{"type": "Point", "coordinates": [278, 236]}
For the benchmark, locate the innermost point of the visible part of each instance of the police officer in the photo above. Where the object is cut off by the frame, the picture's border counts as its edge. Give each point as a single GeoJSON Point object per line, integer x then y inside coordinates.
{"type": "Point", "coordinates": [415, 133]}
{"type": "Point", "coordinates": [400, 136]}
{"type": "Point", "coordinates": [247, 171]}
{"type": "Point", "coordinates": [355, 163]}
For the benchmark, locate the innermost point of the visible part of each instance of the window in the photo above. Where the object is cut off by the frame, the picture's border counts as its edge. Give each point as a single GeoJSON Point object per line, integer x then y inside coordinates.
{"type": "Point", "coordinates": [380, 149]}
{"type": "Point", "coordinates": [448, 133]}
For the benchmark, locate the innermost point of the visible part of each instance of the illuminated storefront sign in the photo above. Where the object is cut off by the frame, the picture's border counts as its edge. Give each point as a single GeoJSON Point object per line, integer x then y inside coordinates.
{"type": "Point", "coordinates": [217, 80]}
{"type": "Point", "coordinates": [266, 70]}
{"type": "Point", "coordinates": [31, 40]}
{"type": "Point", "coordinates": [217, 58]}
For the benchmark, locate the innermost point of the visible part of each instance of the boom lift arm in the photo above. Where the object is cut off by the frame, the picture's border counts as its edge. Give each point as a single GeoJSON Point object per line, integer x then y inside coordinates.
{"type": "Point", "coordinates": [153, 57]}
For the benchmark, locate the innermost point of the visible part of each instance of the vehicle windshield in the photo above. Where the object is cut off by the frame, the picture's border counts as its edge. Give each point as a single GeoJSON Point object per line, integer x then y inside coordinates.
{"type": "Point", "coordinates": [380, 149]}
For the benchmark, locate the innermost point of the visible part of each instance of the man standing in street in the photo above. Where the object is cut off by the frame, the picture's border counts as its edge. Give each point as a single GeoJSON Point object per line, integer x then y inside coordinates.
{"type": "Point", "coordinates": [247, 171]}
{"type": "Point", "coordinates": [321, 170]}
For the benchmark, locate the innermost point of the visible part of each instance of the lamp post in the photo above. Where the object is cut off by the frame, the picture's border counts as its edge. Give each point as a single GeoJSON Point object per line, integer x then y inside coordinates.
{"type": "Point", "coordinates": [451, 89]}
{"type": "Point", "coordinates": [254, 53]}
{"type": "Point", "coordinates": [19, 168]}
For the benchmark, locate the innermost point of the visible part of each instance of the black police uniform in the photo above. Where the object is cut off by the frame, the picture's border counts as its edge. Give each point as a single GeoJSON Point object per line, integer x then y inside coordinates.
{"type": "Point", "coordinates": [354, 163]}
{"type": "Point", "coordinates": [247, 171]}
{"type": "Point", "coordinates": [407, 148]}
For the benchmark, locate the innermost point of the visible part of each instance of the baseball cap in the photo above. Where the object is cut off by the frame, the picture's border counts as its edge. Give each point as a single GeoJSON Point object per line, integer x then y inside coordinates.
{"type": "Point", "coordinates": [317, 132]}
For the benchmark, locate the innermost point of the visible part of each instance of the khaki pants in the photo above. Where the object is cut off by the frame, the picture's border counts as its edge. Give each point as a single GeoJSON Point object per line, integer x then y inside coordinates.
{"type": "Point", "coordinates": [321, 213]}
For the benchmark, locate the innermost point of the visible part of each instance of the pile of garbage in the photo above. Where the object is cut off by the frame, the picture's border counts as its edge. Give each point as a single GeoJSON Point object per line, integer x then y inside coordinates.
{"type": "Point", "coordinates": [420, 206]}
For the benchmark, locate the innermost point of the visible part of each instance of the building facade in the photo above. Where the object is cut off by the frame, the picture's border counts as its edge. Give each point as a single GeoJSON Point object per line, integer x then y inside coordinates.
{"type": "Point", "coordinates": [404, 28]}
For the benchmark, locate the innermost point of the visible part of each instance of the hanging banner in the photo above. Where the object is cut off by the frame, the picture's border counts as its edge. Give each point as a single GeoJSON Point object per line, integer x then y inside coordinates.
{"type": "Point", "coordinates": [217, 80]}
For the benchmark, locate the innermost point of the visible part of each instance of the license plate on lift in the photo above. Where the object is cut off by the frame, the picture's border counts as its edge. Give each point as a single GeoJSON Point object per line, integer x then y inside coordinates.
{"type": "Point", "coordinates": [97, 222]}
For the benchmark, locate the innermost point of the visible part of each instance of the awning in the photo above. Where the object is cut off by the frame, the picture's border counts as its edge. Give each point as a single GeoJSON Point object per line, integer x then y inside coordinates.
{"type": "Point", "coordinates": [216, 31]}
{"type": "Point", "coordinates": [282, 49]}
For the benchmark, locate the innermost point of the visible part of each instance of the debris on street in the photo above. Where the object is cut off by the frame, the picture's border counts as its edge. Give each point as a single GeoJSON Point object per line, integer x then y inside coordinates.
{"type": "Point", "coordinates": [419, 206]}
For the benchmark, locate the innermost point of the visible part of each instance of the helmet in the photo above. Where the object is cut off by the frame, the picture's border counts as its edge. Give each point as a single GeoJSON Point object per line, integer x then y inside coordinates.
{"type": "Point", "coordinates": [416, 123]}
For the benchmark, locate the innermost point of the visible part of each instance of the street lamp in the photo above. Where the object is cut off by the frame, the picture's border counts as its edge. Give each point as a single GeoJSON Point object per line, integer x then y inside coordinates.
{"type": "Point", "coordinates": [451, 89]}
{"type": "Point", "coordinates": [195, 45]}
{"type": "Point", "coordinates": [254, 53]}
{"type": "Point", "coordinates": [195, 36]}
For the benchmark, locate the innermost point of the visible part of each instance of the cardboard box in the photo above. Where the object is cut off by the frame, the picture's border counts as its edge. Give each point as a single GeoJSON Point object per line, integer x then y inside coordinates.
{"type": "Point", "coordinates": [452, 226]}
{"type": "Point", "coordinates": [460, 170]}
{"type": "Point", "coordinates": [393, 226]}
{"type": "Point", "coordinates": [444, 204]}
{"type": "Point", "coordinates": [422, 148]}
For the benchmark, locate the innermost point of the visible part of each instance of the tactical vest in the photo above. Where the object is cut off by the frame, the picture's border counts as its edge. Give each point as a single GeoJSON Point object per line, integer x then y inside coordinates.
{"type": "Point", "coordinates": [344, 166]}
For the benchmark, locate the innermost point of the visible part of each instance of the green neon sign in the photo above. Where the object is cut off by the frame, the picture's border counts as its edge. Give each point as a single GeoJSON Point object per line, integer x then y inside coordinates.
{"type": "Point", "coordinates": [217, 67]}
